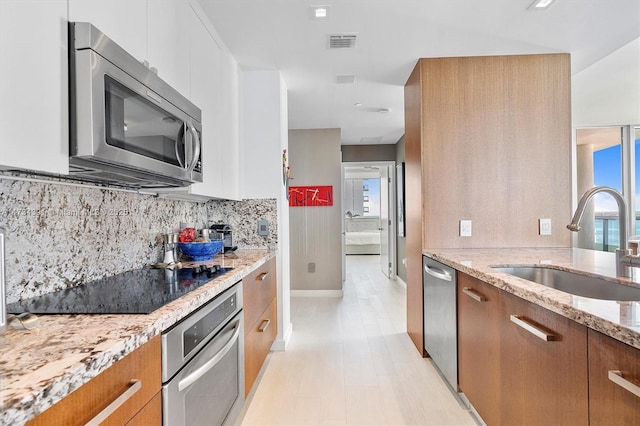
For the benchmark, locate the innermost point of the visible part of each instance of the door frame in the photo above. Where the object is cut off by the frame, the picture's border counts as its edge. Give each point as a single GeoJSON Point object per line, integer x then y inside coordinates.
{"type": "Point", "coordinates": [393, 237]}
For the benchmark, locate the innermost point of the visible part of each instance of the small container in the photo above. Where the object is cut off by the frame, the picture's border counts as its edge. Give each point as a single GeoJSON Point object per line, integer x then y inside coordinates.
{"type": "Point", "coordinates": [204, 234]}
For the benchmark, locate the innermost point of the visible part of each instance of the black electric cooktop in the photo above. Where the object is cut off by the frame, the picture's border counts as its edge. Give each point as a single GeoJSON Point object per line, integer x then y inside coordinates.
{"type": "Point", "coordinates": [140, 291]}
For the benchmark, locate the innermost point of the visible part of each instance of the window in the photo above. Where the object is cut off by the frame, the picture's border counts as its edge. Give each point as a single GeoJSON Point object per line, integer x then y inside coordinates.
{"type": "Point", "coordinates": [607, 156]}
{"type": "Point", "coordinates": [356, 203]}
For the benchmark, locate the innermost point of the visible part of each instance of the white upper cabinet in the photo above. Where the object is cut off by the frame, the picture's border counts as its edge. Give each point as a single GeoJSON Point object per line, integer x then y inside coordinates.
{"type": "Point", "coordinates": [230, 127]}
{"type": "Point", "coordinates": [174, 36]}
{"type": "Point", "coordinates": [214, 88]}
{"type": "Point", "coordinates": [264, 133]}
{"type": "Point", "coordinates": [168, 51]}
{"type": "Point", "coordinates": [33, 85]}
{"type": "Point", "coordinates": [206, 83]}
{"type": "Point", "coordinates": [123, 21]}
{"type": "Point", "coordinates": [154, 31]}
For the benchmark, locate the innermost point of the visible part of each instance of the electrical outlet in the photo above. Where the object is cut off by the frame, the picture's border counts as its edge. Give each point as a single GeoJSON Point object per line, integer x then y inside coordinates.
{"type": "Point", "coordinates": [545, 226]}
{"type": "Point", "coordinates": [263, 228]}
{"type": "Point", "coordinates": [465, 228]}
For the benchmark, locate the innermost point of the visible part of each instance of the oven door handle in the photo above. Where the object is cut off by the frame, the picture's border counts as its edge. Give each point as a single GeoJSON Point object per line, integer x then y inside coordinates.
{"type": "Point", "coordinates": [201, 371]}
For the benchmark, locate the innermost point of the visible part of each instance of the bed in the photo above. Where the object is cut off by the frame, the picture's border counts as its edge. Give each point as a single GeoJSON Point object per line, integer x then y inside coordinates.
{"type": "Point", "coordinates": [362, 235]}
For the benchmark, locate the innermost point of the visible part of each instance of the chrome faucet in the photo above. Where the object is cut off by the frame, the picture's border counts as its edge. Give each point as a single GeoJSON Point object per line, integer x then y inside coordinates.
{"type": "Point", "coordinates": [623, 254]}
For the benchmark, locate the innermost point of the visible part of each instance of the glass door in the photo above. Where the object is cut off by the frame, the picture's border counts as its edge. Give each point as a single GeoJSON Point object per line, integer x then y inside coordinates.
{"type": "Point", "coordinates": [136, 124]}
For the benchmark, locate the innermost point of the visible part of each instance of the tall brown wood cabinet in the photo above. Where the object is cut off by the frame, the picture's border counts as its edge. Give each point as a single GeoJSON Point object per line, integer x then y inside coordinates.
{"type": "Point", "coordinates": [487, 139]}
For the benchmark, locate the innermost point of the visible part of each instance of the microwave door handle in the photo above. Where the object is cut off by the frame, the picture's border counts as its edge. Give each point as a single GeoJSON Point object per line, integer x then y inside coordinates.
{"type": "Point", "coordinates": [197, 143]}
{"type": "Point", "coordinates": [181, 140]}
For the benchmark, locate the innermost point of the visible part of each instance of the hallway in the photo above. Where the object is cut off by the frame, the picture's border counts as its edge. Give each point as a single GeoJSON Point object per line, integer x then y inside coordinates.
{"type": "Point", "coordinates": [350, 362]}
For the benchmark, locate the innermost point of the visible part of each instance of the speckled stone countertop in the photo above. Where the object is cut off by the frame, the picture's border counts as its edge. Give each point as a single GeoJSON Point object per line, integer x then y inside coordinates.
{"type": "Point", "coordinates": [41, 366]}
{"type": "Point", "coordinates": [620, 320]}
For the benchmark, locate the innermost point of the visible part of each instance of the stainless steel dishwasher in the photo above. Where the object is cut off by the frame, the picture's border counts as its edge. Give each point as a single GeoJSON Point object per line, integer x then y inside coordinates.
{"type": "Point", "coordinates": [440, 318]}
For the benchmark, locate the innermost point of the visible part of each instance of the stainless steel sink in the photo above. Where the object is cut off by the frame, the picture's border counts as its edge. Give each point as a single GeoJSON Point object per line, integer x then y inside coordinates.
{"type": "Point", "coordinates": [572, 283]}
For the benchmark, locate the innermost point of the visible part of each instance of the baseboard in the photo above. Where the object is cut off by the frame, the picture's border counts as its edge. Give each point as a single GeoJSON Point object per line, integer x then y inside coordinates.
{"type": "Point", "coordinates": [281, 345]}
{"type": "Point", "coordinates": [316, 293]}
{"type": "Point", "coordinates": [401, 282]}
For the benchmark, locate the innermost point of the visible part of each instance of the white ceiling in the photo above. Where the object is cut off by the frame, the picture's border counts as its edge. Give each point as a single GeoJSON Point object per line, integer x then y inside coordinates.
{"type": "Point", "coordinates": [392, 36]}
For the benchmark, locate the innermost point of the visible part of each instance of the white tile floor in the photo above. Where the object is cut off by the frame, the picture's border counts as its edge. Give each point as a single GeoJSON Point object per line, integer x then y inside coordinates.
{"type": "Point", "coordinates": [350, 362]}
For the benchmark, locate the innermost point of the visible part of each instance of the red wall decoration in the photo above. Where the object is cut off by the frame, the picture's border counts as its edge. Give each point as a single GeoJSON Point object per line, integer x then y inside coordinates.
{"type": "Point", "coordinates": [310, 196]}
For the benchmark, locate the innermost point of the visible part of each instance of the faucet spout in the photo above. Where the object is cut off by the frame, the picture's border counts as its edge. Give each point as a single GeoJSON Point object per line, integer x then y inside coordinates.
{"type": "Point", "coordinates": [622, 250]}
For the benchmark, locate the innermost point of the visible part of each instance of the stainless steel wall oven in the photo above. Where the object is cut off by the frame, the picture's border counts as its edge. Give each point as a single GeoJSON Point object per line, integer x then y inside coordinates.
{"type": "Point", "coordinates": [203, 364]}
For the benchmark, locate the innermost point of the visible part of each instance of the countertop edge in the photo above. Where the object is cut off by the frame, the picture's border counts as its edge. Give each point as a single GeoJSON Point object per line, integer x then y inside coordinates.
{"type": "Point", "coordinates": [19, 411]}
{"type": "Point", "coordinates": [548, 298]}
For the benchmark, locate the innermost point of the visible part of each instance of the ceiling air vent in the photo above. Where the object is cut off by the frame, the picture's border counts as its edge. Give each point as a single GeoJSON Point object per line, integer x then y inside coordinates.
{"type": "Point", "coordinates": [345, 78]}
{"type": "Point", "coordinates": [341, 41]}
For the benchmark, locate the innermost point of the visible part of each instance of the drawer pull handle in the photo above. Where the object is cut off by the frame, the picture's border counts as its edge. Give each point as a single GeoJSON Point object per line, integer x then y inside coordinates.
{"type": "Point", "coordinates": [134, 387]}
{"type": "Point", "coordinates": [536, 331]}
{"type": "Point", "coordinates": [262, 276]}
{"type": "Point", "coordinates": [473, 294]}
{"type": "Point", "coordinates": [264, 325]}
{"type": "Point", "coordinates": [616, 377]}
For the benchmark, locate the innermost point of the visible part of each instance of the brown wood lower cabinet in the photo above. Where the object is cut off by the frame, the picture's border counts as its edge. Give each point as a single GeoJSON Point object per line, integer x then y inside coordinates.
{"type": "Point", "coordinates": [479, 346]}
{"type": "Point", "coordinates": [260, 319]}
{"type": "Point", "coordinates": [137, 374]}
{"type": "Point", "coordinates": [543, 359]}
{"type": "Point", "coordinates": [614, 377]}
{"type": "Point", "coordinates": [519, 364]}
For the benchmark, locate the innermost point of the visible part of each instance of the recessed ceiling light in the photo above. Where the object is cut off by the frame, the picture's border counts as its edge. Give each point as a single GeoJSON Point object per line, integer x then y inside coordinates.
{"type": "Point", "coordinates": [383, 110]}
{"type": "Point", "coordinates": [319, 12]}
{"type": "Point", "coordinates": [541, 4]}
{"type": "Point", "coordinates": [357, 104]}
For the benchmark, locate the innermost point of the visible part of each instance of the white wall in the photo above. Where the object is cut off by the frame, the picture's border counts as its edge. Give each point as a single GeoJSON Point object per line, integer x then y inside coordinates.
{"type": "Point", "coordinates": [316, 231]}
{"type": "Point", "coordinates": [608, 92]}
{"type": "Point", "coordinates": [263, 136]}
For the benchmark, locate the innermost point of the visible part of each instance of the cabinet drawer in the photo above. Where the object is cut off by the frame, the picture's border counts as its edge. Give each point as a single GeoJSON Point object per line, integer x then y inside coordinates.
{"type": "Point", "coordinates": [150, 415]}
{"type": "Point", "coordinates": [89, 400]}
{"type": "Point", "coordinates": [543, 360]}
{"type": "Point", "coordinates": [259, 289]}
{"type": "Point", "coordinates": [257, 343]}
{"type": "Point", "coordinates": [479, 346]}
{"type": "Point", "coordinates": [613, 403]}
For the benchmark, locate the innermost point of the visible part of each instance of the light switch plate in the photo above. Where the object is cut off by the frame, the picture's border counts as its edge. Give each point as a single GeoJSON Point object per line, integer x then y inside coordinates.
{"type": "Point", "coordinates": [465, 228]}
{"type": "Point", "coordinates": [545, 226]}
{"type": "Point", "coordinates": [263, 228]}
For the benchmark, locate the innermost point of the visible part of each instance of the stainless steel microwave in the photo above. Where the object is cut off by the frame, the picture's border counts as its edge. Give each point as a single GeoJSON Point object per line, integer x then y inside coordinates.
{"type": "Point", "coordinates": [127, 126]}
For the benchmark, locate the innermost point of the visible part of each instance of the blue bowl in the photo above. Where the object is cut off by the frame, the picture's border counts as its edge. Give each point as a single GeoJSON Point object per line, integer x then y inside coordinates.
{"type": "Point", "coordinates": [201, 251]}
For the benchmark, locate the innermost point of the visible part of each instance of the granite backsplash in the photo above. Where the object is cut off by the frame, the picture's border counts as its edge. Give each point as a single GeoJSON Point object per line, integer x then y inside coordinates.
{"type": "Point", "coordinates": [60, 236]}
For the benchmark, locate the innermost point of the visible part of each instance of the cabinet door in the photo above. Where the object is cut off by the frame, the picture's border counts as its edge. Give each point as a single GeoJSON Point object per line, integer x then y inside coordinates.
{"type": "Point", "coordinates": [123, 21]}
{"type": "Point", "coordinates": [543, 382]}
{"type": "Point", "coordinates": [168, 50]}
{"type": "Point", "coordinates": [614, 377]}
{"type": "Point", "coordinates": [479, 346]}
{"type": "Point", "coordinates": [258, 290]}
{"type": "Point", "coordinates": [257, 343]}
{"type": "Point", "coordinates": [34, 119]}
{"type": "Point", "coordinates": [136, 377]}
{"type": "Point", "coordinates": [230, 127]}
{"type": "Point", "coordinates": [206, 94]}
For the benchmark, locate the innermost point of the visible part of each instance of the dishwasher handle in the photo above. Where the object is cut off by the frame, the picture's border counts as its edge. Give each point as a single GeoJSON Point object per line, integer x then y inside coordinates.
{"type": "Point", "coordinates": [438, 273]}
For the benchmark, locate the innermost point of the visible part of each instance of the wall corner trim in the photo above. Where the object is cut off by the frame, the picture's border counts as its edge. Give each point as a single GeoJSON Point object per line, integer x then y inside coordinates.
{"type": "Point", "coordinates": [281, 344]}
